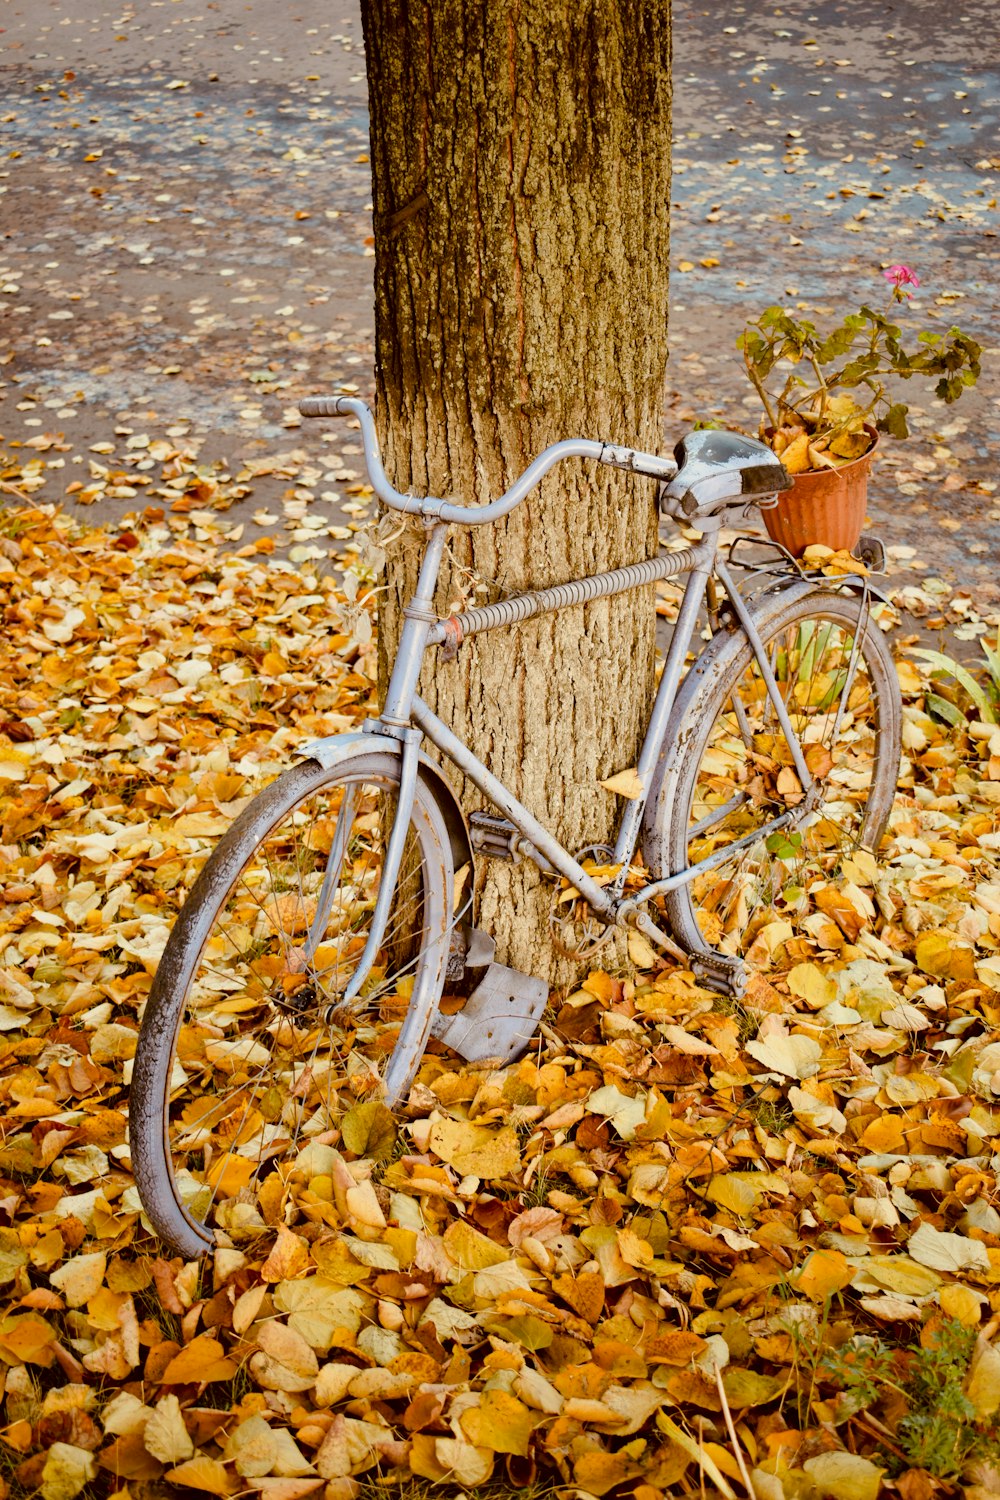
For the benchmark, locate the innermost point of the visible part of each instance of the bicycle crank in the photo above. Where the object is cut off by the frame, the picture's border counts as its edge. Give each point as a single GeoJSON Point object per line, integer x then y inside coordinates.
{"type": "Point", "coordinates": [716, 971]}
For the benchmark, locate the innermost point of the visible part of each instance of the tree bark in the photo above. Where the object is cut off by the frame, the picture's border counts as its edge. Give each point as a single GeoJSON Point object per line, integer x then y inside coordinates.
{"type": "Point", "coordinates": [521, 165]}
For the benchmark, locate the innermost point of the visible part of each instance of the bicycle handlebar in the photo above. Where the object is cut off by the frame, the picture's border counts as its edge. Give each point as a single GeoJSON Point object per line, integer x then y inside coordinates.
{"type": "Point", "coordinates": [630, 459]}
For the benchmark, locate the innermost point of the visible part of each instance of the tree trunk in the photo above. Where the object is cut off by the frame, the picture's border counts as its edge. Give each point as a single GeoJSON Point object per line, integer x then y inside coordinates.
{"type": "Point", "coordinates": [521, 164]}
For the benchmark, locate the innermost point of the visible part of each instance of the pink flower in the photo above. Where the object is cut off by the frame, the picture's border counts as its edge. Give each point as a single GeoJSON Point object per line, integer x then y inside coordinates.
{"type": "Point", "coordinates": [902, 276]}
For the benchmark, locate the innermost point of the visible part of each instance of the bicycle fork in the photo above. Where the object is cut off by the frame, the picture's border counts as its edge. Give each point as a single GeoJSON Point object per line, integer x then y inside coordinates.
{"type": "Point", "coordinates": [392, 864]}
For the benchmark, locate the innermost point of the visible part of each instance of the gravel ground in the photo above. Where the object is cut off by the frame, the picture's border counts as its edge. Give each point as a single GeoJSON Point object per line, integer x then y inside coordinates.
{"type": "Point", "coordinates": [187, 241]}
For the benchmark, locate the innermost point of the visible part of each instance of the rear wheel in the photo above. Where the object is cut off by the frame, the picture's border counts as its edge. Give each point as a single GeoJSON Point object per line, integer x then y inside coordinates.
{"type": "Point", "coordinates": [243, 1040]}
{"type": "Point", "coordinates": [735, 776]}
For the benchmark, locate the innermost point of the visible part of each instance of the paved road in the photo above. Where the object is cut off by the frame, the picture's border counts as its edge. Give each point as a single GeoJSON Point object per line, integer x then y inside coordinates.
{"type": "Point", "coordinates": [186, 225]}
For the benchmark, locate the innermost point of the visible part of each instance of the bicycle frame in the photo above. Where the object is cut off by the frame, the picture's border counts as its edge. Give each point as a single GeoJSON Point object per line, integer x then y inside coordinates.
{"type": "Point", "coordinates": [407, 718]}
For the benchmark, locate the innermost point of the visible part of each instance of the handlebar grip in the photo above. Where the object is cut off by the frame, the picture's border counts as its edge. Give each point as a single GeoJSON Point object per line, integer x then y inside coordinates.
{"type": "Point", "coordinates": [324, 406]}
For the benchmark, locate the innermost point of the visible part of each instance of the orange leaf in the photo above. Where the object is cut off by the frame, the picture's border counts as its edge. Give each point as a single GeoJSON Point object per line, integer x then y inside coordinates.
{"type": "Point", "coordinates": [584, 1293]}
{"type": "Point", "coordinates": [674, 1348]}
{"type": "Point", "coordinates": [204, 1359]}
{"type": "Point", "coordinates": [825, 1272]}
{"type": "Point", "coordinates": [288, 1259]}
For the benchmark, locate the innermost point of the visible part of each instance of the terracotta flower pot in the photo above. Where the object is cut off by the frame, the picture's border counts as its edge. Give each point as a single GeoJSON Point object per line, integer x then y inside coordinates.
{"type": "Point", "coordinates": [824, 506]}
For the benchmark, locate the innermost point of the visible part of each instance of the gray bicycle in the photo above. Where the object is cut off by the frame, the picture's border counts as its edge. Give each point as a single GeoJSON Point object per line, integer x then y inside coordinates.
{"type": "Point", "coordinates": [334, 898]}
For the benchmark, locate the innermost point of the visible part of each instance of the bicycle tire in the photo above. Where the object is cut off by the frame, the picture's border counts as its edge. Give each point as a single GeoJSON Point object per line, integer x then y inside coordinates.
{"type": "Point", "coordinates": [231, 963]}
{"type": "Point", "coordinates": [712, 764]}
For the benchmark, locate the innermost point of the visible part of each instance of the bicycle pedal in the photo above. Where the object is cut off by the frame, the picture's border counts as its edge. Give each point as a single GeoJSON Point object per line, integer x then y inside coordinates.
{"type": "Point", "coordinates": [721, 972]}
{"type": "Point", "coordinates": [499, 1018]}
{"type": "Point", "coordinates": [491, 835]}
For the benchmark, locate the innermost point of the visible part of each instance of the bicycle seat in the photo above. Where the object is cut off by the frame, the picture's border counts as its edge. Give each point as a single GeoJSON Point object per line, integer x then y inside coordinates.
{"type": "Point", "coordinates": [716, 469]}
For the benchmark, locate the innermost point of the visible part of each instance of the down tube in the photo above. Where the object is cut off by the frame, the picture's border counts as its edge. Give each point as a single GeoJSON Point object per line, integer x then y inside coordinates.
{"type": "Point", "coordinates": [680, 641]}
{"type": "Point", "coordinates": [547, 845]}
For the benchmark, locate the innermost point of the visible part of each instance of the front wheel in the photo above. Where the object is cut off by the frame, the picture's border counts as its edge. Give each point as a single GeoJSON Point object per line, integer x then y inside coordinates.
{"type": "Point", "coordinates": [733, 778]}
{"type": "Point", "coordinates": [241, 1048]}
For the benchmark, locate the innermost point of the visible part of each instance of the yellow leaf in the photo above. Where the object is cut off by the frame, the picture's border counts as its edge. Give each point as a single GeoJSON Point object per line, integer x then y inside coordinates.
{"type": "Point", "coordinates": [626, 1111]}
{"type": "Point", "coordinates": [846, 1476]}
{"type": "Point", "coordinates": [80, 1278]}
{"type": "Point", "coordinates": [842, 904]}
{"type": "Point", "coordinates": [202, 1474]}
{"type": "Point", "coordinates": [497, 1281]}
{"type": "Point", "coordinates": [67, 1469]}
{"type": "Point", "coordinates": [247, 1307]}
{"type": "Point", "coordinates": [962, 1303]}
{"type": "Point", "coordinates": [165, 1435]}
{"type": "Point", "coordinates": [597, 1472]}
{"type": "Point", "coordinates": [850, 445]}
{"type": "Point", "coordinates": [500, 1422]}
{"type": "Point", "coordinates": [625, 784]}
{"type": "Point", "coordinates": [369, 1130]}
{"type": "Point", "coordinates": [464, 1463]}
{"type": "Point", "coordinates": [844, 408]}
{"type": "Point", "coordinates": [745, 1388]}
{"type": "Point", "coordinates": [789, 786]}
{"type": "Point", "coordinates": [734, 1193]}
{"type": "Point", "coordinates": [641, 952]}
{"type": "Point", "coordinates": [884, 1134]}
{"type": "Point", "coordinates": [284, 1361]}
{"type": "Point", "coordinates": [946, 956]}
{"type": "Point", "coordinates": [793, 1056]}
{"type": "Point", "coordinates": [252, 1447]}
{"type": "Point", "coordinates": [318, 1307]}
{"type": "Point", "coordinates": [812, 984]}
{"type": "Point", "coordinates": [819, 760]}
{"type": "Point", "coordinates": [896, 1273]}
{"type": "Point", "coordinates": [470, 1249]}
{"type": "Point", "coordinates": [861, 867]}
{"type": "Point", "coordinates": [795, 456]}
{"type": "Point", "coordinates": [983, 1384]}
{"type": "Point", "coordinates": [633, 1250]}
{"type": "Point", "coordinates": [364, 1208]}
{"type": "Point", "coordinates": [259, 1450]}
{"type": "Point", "coordinates": [824, 1273]}
{"type": "Point", "coordinates": [584, 1293]}
{"type": "Point", "coordinates": [476, 1150]}
{"type": "Point", "coordinates": [912, 1088]}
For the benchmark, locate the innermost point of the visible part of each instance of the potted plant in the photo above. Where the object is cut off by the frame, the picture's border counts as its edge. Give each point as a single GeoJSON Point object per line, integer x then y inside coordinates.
{"type": "Point", "coordinates": [826, 399]}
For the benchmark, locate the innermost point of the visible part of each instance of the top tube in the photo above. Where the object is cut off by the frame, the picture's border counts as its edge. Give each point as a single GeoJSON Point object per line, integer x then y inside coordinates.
{"type": "Point", "coordinates": [430, 506]}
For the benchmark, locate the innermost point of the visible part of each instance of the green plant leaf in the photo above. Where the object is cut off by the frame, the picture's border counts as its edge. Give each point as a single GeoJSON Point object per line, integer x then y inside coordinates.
{"type": "Point", "coordinates": [955, 669]}
{"type": "Point", "coordinates": [942, 709]}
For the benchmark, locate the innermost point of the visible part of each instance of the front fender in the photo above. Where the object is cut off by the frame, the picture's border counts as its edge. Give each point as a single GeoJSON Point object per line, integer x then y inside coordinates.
{"type": "Point", "coordinates": [335, 749]}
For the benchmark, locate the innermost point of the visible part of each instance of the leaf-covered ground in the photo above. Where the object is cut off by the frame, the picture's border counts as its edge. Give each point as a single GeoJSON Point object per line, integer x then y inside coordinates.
{"type": "Point", "coordinates": [683, 1247]}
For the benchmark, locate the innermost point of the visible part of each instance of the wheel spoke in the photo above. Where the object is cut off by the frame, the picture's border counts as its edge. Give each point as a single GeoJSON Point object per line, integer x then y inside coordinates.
{"type": "Point", "coordinates": [251, 1065]}
{"type": "Point", "coordinates": [830, 670]}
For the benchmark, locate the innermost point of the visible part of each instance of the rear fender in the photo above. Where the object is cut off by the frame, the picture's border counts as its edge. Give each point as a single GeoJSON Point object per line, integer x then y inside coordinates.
{"type": "Point", "coordinates": [792, 588]}
{"type": "Point", "coordinates": [338, 748]}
